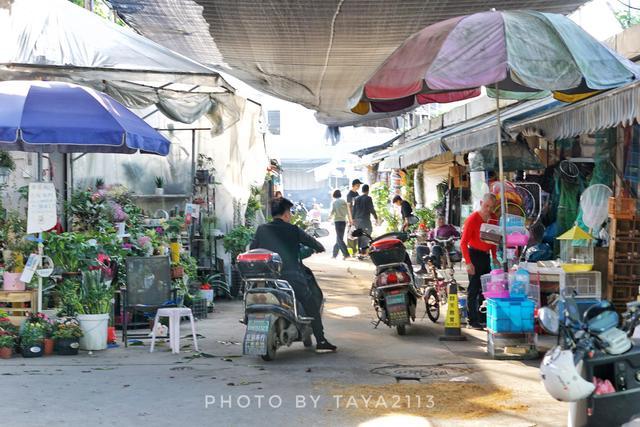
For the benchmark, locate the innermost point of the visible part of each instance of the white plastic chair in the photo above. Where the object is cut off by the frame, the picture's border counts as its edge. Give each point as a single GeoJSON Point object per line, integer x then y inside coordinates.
{"type": "Point", "coordinates": [174, 314]}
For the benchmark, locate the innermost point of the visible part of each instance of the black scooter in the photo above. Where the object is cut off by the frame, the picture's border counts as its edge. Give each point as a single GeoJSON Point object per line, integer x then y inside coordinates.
{"type": "Point", "coordinates": [394, 294]}
{"type": "Point", "coordinates": [273, 316]}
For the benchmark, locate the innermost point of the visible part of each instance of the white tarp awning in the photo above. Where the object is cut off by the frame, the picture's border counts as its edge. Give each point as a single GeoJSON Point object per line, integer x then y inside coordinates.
{"type": "Point", "coordinates": [609, 109]}
{"type": "Point", "coordinates": [314, 53]}
{"type": "Point", "coordinates": [57, 40]}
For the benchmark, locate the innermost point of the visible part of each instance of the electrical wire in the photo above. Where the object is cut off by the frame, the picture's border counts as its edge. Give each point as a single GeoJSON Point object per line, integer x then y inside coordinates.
{"type": "Point", "coordinates": [628, 5]}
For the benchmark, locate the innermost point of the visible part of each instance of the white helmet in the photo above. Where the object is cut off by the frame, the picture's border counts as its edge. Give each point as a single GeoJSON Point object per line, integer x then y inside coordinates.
{"type": "Point", "coordinates": [561, 378]}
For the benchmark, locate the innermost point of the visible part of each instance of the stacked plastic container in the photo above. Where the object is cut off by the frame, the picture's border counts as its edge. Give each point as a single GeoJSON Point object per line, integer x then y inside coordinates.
{"type": "Point", "coordinates": [517, 234]}
{"type": "Point", "coordinates": [508, 308]}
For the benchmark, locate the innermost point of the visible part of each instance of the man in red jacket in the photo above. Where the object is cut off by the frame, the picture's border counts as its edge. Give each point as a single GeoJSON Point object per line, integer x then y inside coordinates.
{"type": "Point", "coordinates": [476, 256]}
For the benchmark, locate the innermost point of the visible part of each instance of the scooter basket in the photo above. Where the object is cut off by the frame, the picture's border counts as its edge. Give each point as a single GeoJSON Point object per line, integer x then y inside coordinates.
{"type": "Point", "coordinates": [387, 251]}
{"type": "Point", "coordinates": [259, 263]}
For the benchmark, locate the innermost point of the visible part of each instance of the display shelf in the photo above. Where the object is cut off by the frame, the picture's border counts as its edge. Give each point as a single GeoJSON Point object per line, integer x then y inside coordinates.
{"type": "Point", "coordinates": [161, 196]}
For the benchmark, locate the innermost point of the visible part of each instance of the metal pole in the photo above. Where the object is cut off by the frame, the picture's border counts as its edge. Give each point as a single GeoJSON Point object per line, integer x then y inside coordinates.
{"type": "Point", "coordinates": [503, 205]}
{"type": "Point", "coordinates": [193, 162]}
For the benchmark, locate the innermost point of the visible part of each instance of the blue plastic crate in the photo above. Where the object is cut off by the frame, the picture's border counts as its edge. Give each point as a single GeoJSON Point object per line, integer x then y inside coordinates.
{"type": "Point", "coordinates": [510, 315]}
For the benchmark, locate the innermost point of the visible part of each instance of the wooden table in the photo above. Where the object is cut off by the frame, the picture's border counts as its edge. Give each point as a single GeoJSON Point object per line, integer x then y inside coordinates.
{"type": "Point", "coordinates": [18, 304]}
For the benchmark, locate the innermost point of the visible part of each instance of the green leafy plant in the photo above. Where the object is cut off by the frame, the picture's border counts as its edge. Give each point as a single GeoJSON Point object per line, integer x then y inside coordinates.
{"type": "Point", "coordinates": [95, 295]}
{"type": "Point", "coordinates": [426, 216]}
{"type": "Point", "coordinates": [235, 242]}
{"type": "Point", "coordinates": [99, 183]}
{"type": "Point", "coordinates": [67, 330]}
{"type": "Point", "coordinates": [159, 182]}
{"type": "Point", "coordinates": [6, 160]}
{"type": "Point", "coordinates": [253, 205]}
{"type": "Point", "coordinates": [7, 341]}
{"type": "Point", "coordinates": [173, 227]}
{"type": "Point", "coordinates": [69, 295]}
{"type": "Point", "coordinates": [69, 250]}
{"type": "Point", "coordinates": [381, 196]}
{"type": "Point", "coordinates": [32, 334]}
{"type": "Point", "coordinates": [205, 162]}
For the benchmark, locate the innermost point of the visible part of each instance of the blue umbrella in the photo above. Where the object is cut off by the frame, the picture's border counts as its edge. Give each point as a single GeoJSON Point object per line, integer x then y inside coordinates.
{"type": "Point", "coordinates": [61, 117]}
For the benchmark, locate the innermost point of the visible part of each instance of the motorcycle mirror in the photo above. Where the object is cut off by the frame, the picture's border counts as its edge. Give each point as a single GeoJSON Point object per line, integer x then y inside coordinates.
{"type": "Point", "coordinates": [549, 320]}
{"type": "Point", "coordinates": [357, 232]}
{"type": "Point", "coordinates": [322, 232]}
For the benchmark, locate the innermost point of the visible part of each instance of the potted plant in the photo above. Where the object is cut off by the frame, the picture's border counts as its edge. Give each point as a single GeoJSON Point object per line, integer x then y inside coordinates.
{"type": "Point", "coordinates": [32, 340]}
{"type": "Point", "coordinates": [235, 242]}
{"type": "Point", "coordinates": [67, 335]}
{"type": "Point", "coordinates": [14, 266]}
{"type": "Point", "coordinates": [159, 185]}
{"type": "Point", "coordinates": [43, 322]}
{"type": "Point", "coordinates": [96, 297]}
{"type": "Point", "coordinates": [7, 342]}
{"type": "Point", "coordinates": [99, 184]}
{"type": "Point", "coordinates": [205, 169]}
{"type": "Point", "coordinates": [7, 165]}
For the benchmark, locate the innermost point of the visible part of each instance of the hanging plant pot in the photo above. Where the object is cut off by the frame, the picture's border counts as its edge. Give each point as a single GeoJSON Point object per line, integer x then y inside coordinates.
{"type": "Point", "coordinates": [48, 346]}
{"type": "Point", "coordinates": [67, 346]}
{"type": "Point", "coordinates": [6, 352]}
{"type": "Point", "coordinates": [202, 176]}
{"type": "Point", "coordinates": [35, 350]}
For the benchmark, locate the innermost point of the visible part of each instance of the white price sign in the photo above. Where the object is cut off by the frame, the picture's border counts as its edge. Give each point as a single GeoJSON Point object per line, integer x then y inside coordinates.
{"type": "Point", "coordinates": [41, 215]}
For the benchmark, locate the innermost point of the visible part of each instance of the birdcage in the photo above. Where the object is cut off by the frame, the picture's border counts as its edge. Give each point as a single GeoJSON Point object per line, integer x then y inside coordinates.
{"type": "Point", "coordinates": [576, 250]}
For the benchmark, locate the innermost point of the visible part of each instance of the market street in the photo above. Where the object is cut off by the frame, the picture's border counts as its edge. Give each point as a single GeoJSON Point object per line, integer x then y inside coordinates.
{"type": "Point", "coordinates": [132, 387]}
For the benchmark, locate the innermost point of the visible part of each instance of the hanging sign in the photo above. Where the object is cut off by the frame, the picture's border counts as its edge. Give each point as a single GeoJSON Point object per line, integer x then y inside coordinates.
{"type": "Point", "coordinates": [41, 214]}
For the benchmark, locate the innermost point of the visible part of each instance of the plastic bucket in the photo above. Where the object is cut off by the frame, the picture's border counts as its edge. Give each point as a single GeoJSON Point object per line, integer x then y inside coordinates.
{"type": "Point", "coordinates": [94, 328]}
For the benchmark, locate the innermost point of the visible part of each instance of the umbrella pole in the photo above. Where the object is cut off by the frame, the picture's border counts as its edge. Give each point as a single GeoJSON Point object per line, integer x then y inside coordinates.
{"type": "Point", "coordinates": [503, 205]}
{"type": "Point", "coordinates": [40, 246]}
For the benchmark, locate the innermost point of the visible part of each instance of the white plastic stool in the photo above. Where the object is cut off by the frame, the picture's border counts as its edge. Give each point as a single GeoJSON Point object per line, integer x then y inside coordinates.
{"type": "Point", "coordinates": [174, 315]}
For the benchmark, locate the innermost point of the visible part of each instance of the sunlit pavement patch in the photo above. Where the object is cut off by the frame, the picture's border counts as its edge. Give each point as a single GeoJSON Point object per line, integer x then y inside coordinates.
{"type": "Point", "coordinates": [345, 311]}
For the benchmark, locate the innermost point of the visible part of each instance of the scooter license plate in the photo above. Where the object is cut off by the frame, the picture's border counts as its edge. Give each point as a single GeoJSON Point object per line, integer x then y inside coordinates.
{"type": "Point", "coordinates": [397, 309]}
{"type": "Point", "coordinates": [255, 338]}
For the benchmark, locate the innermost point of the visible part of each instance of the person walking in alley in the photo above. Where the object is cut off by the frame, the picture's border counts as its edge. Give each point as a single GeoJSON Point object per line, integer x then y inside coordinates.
{"type": "Point", "coordinates": [476, 256]}
{"type": "Point", "coordinates": [406, 211]}
{"type": "Point", "coordinates": [363, 210]}
{"type": "Point", "coordinates": [340, 213]}
{"type": "Point", "coordinates": [351, 197]}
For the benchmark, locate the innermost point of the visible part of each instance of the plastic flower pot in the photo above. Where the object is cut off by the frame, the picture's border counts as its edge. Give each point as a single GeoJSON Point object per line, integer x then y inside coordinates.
{"type": "Point", "coordinates": [35, 350]}
{"type": "Point", "coordinates": [67, 346]}
{"type": "Point", "coordinates": [48, 346]}
{"type": "Point", "coordinates": [177, 272]}
{"type": "Point", "coordinates": [6, 352]}
{"type": "Point", "coordinates": [11, 282]}
{"type": "Point", "coordinates": [94, 328]}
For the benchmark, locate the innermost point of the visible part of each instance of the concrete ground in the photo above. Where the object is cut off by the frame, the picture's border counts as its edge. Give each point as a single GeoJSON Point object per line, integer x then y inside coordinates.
{"type": "Point", "coordinates": [126, 387]}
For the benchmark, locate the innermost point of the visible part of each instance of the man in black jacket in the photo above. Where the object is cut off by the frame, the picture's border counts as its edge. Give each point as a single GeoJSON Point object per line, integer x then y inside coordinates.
{"type": "Point", "coordinates": [285, 238]}
{"type": "Point", "coordinates": [363, 210]}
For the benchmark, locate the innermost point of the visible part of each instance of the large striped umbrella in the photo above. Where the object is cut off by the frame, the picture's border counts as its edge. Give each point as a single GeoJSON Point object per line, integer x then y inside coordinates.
{"type": "Point", "coordinates": [515, 54]}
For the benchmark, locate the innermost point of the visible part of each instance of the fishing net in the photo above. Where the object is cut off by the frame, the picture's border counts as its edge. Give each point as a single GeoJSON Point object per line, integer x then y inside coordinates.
{"type": "Point", "coordinates": [568, 188]}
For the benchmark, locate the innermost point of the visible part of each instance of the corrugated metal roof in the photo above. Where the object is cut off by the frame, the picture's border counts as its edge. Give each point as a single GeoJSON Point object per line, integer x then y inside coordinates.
{"type": "Point", "coordinates": [315, 53]}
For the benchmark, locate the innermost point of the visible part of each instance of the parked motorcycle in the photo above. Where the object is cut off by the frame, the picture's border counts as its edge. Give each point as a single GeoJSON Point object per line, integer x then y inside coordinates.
{"type": "Point", "coordinates": [273, 316]}
{"type": "Point", "coordinates": [394, 294]}
{"type": "Point", "coordinates": [593, 349]}
{"type": "Point", "coordinates": [439, 279]}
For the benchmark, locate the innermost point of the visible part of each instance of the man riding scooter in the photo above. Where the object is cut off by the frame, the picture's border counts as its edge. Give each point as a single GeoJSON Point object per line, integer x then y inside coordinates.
{"type": "Point", "coordinates": [284, 238]}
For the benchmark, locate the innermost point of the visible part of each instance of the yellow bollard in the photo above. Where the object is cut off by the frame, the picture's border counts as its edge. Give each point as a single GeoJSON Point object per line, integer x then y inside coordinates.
{"type": "Point", "coordinates": [452, 331]}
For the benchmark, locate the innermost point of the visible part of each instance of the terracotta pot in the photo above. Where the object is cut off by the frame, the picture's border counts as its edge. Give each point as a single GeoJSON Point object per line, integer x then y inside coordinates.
{"type": "Point", "coordinates": [6, 352]}
{"type": "Point", "coordinates": [177, 272]}
{"type": "Point", "coordinates": [48, 346]}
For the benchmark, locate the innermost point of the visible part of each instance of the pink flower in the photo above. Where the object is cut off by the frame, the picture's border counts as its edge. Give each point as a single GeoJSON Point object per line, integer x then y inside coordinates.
{"type": "Point", "coordinates": [144, 240]}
